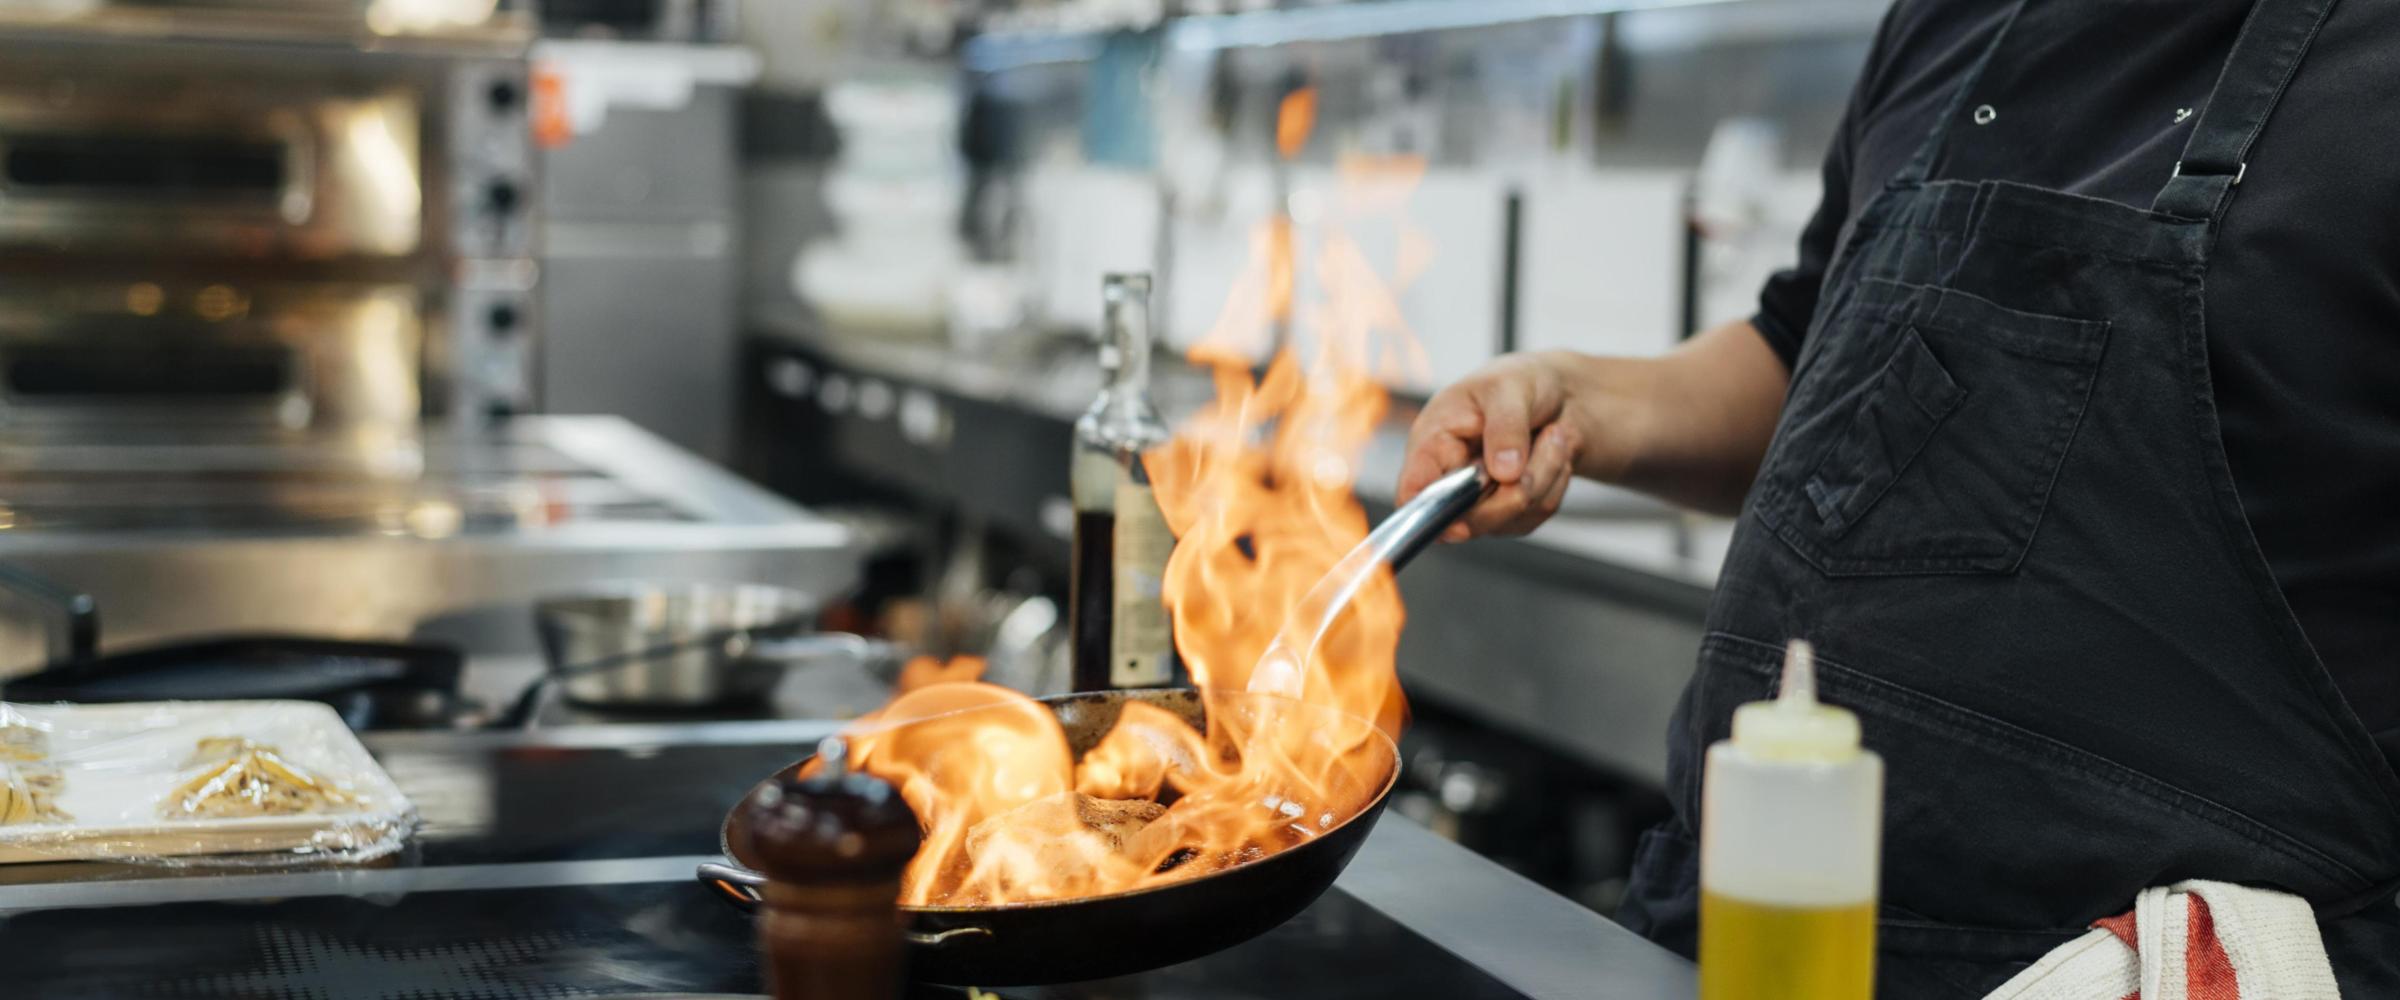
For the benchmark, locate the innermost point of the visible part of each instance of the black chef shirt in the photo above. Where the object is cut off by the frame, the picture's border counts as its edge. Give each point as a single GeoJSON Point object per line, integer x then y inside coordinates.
{"type": "Point", "coordinates": [2303, 289]}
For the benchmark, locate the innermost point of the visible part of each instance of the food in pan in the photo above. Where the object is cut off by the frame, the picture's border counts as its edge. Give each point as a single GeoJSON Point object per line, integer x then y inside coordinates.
{"type": "Point", "coordinates": [239, 778]}
{"type": "Point", "coordinates": [1011, 813]}
{"type": "Point", "coordinates": [1064, 832]}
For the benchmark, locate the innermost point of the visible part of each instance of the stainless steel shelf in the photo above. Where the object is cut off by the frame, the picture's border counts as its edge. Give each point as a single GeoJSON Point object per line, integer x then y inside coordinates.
{"type": "Point", "coordinates": [1347, 21]}
{"type": "Point", "coordinates": [1018, 47]}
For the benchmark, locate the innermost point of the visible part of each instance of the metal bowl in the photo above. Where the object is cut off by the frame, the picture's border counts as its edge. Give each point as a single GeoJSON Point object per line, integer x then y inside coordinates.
{"type": "Point", "coordinates": [669, 646]}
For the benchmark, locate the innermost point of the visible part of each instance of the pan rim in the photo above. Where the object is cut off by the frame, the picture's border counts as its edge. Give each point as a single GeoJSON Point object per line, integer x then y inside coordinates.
{"type": "Point", "coordinates": [1391, 779]}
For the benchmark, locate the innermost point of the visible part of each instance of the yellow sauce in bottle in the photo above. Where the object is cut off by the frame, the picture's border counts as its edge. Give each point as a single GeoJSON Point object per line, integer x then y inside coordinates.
{"type": "Point", "coordinates": [1765, 951]}
{"type": "Point", "coordinates": [1791, 831]}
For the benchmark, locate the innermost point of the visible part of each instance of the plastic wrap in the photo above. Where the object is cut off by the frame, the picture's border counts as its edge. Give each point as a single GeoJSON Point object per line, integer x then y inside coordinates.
{"type": "Point", "coordinates": [193, 783]}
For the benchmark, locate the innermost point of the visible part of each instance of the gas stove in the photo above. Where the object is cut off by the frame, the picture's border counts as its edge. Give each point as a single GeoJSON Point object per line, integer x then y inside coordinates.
{"type": "Point", "coordinates": [558, 864]}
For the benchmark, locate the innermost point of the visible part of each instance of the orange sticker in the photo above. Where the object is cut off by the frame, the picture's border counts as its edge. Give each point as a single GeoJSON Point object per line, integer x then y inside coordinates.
{"type": "Point", "coordinates": [550, 126]}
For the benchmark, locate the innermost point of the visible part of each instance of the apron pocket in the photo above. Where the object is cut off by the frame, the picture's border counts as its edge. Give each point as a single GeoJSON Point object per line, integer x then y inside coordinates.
{"type": "Point", "coordinates": [1937, 454]}
{"type": "Point", "coordinates": [1883, 435]}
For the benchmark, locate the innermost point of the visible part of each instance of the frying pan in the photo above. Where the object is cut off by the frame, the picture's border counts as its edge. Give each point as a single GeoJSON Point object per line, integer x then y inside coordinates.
{"type": "Point", "coordinates": [374, 685]}
{"type": "Point", "coordinates": [1096, 937]}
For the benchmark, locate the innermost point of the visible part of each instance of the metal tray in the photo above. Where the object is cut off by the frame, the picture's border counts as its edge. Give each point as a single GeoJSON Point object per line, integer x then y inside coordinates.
{"type": "Point", "coordinates": [118, 763]}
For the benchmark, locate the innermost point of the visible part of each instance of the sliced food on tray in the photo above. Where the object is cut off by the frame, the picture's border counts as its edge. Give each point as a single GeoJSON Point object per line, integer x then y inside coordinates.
{"type": "Point", "coordinates": [29, 794]}
{"type": "Point", "coordinates": [244, 780]}
{"type": "Point", "coordinates": [22, 741]}
{"type": "Point", "coordinates": [238, 778]}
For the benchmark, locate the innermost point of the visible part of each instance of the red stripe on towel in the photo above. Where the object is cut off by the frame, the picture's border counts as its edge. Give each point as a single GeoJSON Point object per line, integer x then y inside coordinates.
{"type": "Point", "coordinates": [2207, 972]}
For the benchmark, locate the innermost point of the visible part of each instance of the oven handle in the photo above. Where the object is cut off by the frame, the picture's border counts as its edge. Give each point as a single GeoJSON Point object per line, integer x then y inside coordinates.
{"type": "Point", "coordinates": [78, 615]}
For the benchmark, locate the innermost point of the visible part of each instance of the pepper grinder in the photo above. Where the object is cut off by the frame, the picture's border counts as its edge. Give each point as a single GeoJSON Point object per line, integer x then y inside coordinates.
{"type": "Point", "coordinates": [833, 846]}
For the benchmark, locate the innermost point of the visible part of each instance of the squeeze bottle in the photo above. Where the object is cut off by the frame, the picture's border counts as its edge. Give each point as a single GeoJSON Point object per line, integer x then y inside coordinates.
{"type": "Point", "coordinates": [1791, 822]}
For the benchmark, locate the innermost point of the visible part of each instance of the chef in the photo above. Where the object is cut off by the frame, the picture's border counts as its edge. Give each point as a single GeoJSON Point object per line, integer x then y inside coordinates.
{"type": "Point", "coordinates": [2073, 441]}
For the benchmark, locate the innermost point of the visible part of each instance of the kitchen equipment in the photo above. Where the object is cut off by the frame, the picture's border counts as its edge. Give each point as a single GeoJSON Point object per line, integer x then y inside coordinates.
{"type": "Point", "coordinates": [73, 630]}
{"type": "Point", "coordinates": [373, 685]}
{"type": "Point", "coordinates": [575, 912]}
{"type": "Point", "coordinates": [1094, 937]}
{"type": "Point", "coordinates": [1397, 540]}
{"type": "Point", "coordinates": [642, 20]}
{"type": "Point", "coordinates": [310, 219]}
{"type": "Point", "coordinates": [1791, 843]}
{"type": "Point", "coordinates": [686, 646]}
{"type": "Point", "coordinates": [120, 772]}
{"type": "Point", "coordinates": [834, 846]}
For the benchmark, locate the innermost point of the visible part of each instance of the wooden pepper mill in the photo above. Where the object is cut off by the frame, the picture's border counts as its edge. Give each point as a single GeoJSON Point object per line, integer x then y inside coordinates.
{"type": "Point", "coordinates": [832, 846]}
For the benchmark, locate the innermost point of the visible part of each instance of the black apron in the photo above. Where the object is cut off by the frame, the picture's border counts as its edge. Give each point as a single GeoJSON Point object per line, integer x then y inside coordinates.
{"type": "Point", "coordinates": [1998, 503]}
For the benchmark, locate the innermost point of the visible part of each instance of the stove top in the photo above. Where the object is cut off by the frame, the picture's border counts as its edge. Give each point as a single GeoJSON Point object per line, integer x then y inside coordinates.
{"type": "Point", "coordinates": [597, 941]}
{"type": "Point", "coordinates": [559, 864]}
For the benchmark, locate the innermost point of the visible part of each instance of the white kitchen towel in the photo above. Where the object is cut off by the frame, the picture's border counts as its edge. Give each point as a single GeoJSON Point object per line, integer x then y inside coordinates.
{"type": "Point", "coordinates": [2189, 941]}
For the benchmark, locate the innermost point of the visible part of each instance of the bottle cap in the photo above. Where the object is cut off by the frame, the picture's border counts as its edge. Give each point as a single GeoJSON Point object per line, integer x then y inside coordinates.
{"type": "Point", "coordinates": [1795, 727]}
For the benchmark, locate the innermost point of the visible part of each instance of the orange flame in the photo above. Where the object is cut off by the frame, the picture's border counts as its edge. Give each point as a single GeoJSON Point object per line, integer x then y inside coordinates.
{"type": "Point", "coordinates": [1258, 489]}
{"type": "Point", "coordinates": [924, 671]}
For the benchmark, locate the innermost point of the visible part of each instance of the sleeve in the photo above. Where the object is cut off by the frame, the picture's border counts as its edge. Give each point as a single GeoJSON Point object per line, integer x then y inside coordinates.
{"type": "Point", "coordinates": [1789, 299]}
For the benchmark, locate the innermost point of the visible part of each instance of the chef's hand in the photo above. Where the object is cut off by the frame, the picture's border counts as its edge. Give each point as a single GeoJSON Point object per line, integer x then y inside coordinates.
{"type": "Point", "coordinates": [1513, 417]}
{"type": "Point", "coordinates": [1688, 427]}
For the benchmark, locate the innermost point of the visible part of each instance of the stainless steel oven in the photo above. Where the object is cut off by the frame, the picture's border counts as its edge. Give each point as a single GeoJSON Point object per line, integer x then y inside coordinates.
{"type": "Point", "coordinates": [307, 218]}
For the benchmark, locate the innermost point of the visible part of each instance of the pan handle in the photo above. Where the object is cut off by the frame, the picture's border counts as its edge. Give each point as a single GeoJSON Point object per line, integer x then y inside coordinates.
{"type": "Point", "coordinates": [738, 886]}
{"type": "Point", "coordinates": [742, 887]}
{"type": "Point", "coordinates": [1415, 525]}
{"type": "Point", "coordinates": [798, 650]}
{"type": "Point", "coordinates": [940, 938]}
{"type": "Point", "coordinates": [78, 614]}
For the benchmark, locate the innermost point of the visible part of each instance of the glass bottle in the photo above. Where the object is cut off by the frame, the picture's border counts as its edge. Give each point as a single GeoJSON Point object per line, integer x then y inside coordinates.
{"type": "Point", "coordinates": [1116, 614]}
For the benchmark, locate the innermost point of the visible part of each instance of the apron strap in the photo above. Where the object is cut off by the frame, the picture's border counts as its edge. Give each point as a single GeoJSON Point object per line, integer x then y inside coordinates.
{"type": "Point", "coordinates": [1920, 165]}
{"type": "Point", "coordinates": [2265, 56]}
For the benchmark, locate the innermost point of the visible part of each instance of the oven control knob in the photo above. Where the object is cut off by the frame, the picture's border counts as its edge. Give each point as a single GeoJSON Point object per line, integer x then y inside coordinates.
{"type": "Point", "coordinates": [502, 197]}
{"type": "Point", "coordinates": [504, 95]}
{"type": "Point", "coordinates": [503, 319]}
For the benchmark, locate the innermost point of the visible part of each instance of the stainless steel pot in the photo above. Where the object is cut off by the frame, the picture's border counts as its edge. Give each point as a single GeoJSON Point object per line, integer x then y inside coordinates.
{"type": "Point", "coordinates": [686, 646]}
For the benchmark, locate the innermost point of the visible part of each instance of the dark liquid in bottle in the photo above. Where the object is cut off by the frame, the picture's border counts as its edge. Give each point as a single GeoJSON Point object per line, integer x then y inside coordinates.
{"type": "Point", "coordinates": [1093, 584]}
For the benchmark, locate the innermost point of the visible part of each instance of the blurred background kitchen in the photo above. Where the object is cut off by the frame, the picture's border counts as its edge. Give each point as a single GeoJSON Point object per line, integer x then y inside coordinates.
{"type": "Point", "coordinates": [386, 319]}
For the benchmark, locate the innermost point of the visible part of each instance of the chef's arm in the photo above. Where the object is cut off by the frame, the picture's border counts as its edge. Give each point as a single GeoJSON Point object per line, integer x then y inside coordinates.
{"type": "Point", "coordinates": [1689, 427]}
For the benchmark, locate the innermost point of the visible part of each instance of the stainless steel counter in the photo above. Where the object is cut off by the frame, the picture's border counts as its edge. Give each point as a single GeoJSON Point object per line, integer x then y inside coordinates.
{"type": "Point", "coordinates": [1603, 605]}
{"type": "Point", "coordinates": [176, 540]}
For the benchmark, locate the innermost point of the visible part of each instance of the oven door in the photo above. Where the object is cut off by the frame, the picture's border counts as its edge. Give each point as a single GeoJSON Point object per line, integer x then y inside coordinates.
{"type": "Point", "coordinates": [110, 357]}
{"type": "Point", "coordinates": [182, 157]}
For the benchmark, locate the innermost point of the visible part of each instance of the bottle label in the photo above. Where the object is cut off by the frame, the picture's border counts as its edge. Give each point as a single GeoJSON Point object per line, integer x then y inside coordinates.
{"type": "Point", "coordinates": [1142, 641]}
{"type": "Point", "coordinates": [1092, 478]}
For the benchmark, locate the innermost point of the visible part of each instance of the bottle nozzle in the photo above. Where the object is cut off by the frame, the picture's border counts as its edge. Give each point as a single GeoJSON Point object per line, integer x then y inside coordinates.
{"type": "Point", "coordinates": [1795, 726]}
{"type": "Point", "coordinates": [1799, 688]}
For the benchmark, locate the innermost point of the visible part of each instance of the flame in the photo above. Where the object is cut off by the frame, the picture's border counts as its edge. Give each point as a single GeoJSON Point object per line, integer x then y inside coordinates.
{"type": "Point", "coordinates": [924, 671]}
{"type": "Point", "coordinates": [1258, 489]}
